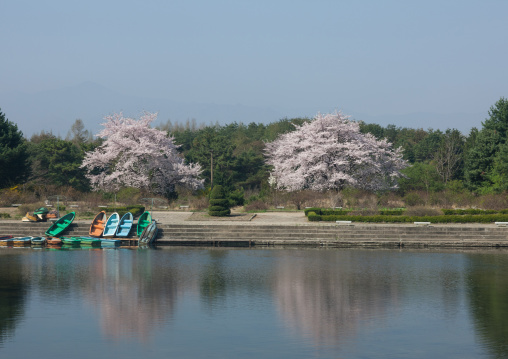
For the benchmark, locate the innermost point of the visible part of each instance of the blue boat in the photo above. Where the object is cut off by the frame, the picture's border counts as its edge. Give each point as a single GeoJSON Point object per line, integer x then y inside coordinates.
{"type": "Point", "coordinates": [124, 228]}
{"type": "Point", "coordinates": [111, 225]}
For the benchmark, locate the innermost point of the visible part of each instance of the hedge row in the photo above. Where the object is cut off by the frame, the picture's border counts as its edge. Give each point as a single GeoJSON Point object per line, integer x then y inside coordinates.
{"type": "Point", "coordinates": [487, 218]}
{"type": "Point", "coordinates": [472, 211]}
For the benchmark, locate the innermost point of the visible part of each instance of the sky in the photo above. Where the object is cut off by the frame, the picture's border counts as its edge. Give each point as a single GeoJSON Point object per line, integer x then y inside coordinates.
{"type": "Point", "coordinates": [371, 59]}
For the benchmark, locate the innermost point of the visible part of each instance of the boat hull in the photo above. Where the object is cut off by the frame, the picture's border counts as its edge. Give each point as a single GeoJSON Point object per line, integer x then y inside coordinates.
{"type": "Point", "coordinates": [149, 234]}
{"type": "Point", "coordinates": [38, 241]}
{"type": "Point", "coordinates": [125, 225]}
{"type": "Point", "coordinates": [90, 241]}
{"type": "Point", "coordinates": [98, 223]}
{"type": "Point", "coordinates": [72, 241]}
{"type": "Point", "coordinates": [61, 225]}
{"type": "Point", "coordinates": [111, 225]}
{"type": "Point", "coordinates": [144, 221]}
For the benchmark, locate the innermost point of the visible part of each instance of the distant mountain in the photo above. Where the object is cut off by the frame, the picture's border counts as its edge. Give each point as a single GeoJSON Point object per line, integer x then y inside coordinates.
{"type": "Point", "coordinates": [428, 120]}
{"type": "Point", "coordinates": [56, 110]}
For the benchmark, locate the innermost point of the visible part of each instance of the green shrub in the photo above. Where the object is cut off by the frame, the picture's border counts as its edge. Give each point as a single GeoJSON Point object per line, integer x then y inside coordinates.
{"type": "Point", "coordinates": [5, 215]}
{"type": "Point", "coordinates": [218, 196]}
{"type": "Point", "coordinates": [312, 209]}
{"type": "Point", "coordinates": [236, 198]}
{"type": "Point", "coordinates": [313, 217]}
{"type": "Point", "coordinates": [223, 202]}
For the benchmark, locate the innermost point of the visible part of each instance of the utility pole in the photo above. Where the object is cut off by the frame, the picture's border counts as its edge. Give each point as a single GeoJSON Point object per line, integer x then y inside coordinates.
{"type": "Point", "coordinates": [211, 170]}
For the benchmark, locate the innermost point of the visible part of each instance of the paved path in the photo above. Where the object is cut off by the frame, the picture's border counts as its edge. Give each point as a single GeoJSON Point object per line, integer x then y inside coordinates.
{"type": "Point", "coordinates": [248, 219]}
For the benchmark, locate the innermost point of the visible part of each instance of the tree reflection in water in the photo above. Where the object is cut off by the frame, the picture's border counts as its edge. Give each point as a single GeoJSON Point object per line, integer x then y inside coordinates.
{"type": "Point", "coordinates": [326, 295]}
{"type": "Point", "coordinates": [330, 298]}
{"type": "Point", "coordinates": [488, 300]}
{"type": "Point", "coordinates": [13, 290]}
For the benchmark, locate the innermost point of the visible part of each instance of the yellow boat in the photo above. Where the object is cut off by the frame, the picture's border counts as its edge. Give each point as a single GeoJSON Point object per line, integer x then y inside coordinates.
{"type": "Point", "coordinates": [29, 218]}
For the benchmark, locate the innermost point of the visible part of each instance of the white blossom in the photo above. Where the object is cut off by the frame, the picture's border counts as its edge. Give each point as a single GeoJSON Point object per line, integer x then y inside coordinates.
{"type": "Point", "coordinates": [330, 152]}
{"type": "Point", "coordinates": [136, 155]}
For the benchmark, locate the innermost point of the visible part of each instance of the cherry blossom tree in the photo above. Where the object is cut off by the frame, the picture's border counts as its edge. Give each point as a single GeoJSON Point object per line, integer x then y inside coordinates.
{"type": "Point", "coordinates": [330, 152]}
{"type": "Point", "coordinates": [135, 155]}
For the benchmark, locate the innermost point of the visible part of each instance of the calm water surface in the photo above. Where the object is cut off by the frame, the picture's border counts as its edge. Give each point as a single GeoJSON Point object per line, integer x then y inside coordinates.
{"type": "Point", "coordinates": [251, 303]}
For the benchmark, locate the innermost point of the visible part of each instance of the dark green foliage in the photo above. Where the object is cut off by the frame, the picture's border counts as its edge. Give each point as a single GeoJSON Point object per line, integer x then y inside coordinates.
{"type": "Point", "coordinates": [57, 162]}
{"type": "Point", "coordinates": [485, 164]}
{"type": "Point", "coordinates": [236, 198]}
{"type": "Point", "coordinates": [223, 202]}
{"type": "Point", "coordinates": [14, 166]}
{"type": "Point", "coordinates": [219, 205]}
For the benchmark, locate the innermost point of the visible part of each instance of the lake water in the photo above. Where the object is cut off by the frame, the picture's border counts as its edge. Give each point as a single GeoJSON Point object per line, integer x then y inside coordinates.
{"type": "Point", "coordinates": [176, 302]}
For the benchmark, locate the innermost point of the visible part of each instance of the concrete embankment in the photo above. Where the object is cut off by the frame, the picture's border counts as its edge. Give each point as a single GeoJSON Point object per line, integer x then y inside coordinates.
{"type": "Point", "coordinates": [279, 232]}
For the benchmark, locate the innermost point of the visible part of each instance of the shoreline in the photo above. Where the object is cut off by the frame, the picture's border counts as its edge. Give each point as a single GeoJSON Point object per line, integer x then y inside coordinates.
{"type": "Point", "coordinates": [292, 229]}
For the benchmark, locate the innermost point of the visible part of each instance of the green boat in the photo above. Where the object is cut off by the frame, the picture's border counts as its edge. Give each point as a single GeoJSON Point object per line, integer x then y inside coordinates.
{"type": "Point", "coordinates": [91, 241]}
{"type": "Point", "coordinates": [60, 225]}
{"type": "Point", "coordinates": [144, 221]}
{"type": "Point", "coordinates": [73, 241]}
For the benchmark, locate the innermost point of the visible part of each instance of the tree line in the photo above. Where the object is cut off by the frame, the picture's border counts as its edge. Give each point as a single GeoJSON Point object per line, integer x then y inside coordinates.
{"type": "Point", "coordinates": [234, 155]}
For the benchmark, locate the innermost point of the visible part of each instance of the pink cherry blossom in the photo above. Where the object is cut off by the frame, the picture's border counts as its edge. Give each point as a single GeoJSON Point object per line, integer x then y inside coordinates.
{"type": "Point", "coordinates": [330, 152]}
{"type": "Point", "coordinates": [136, 155]}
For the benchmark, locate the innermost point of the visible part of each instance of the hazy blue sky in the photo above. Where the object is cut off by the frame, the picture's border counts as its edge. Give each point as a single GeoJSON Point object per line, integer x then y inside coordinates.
{"type": "Point", "coordinates": [296, 57]}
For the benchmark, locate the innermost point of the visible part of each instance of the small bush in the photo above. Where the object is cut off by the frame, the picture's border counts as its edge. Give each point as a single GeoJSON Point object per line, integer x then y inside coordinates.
{"type": "Point", "coordinates": [236, 198]}
{"type": "Point", "coordinates": [219, 196]}
{"type": "Point", "coordinates": [313, 217]}
{"type": "Point", "coordinates": [316, 210]}
{"type": "Point", "coordinates": [5, 215]}
{"type": "Point", "coordinates": [413, 199]}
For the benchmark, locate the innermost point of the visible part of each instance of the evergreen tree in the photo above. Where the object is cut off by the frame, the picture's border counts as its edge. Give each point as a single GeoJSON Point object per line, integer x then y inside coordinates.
{"type": "Point", "coordinates": [14, 166]}
{"type": "Point", "coordinates": [481, 160]}
{"type": "Point", "coordinates": [219, 204]}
